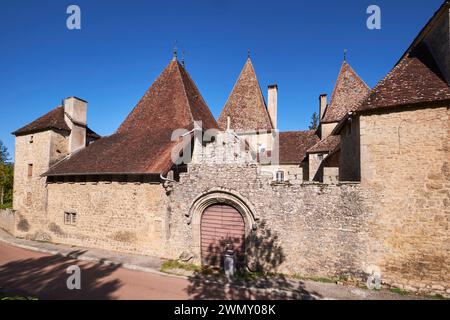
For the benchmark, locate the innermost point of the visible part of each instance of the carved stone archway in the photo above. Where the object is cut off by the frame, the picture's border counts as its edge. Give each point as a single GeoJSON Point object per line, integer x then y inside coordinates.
{"type": "Point", "coordinates": [218, 196]}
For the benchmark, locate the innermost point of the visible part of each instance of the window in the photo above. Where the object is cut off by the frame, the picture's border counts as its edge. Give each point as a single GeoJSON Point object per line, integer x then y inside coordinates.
{"type": "Point", "coordinates": [320, 156]}
{"type": "Point", "coordinates": [31, 139]}
{"type": "Point", "coordinates": [70, 218]}
{"type": "Point", "coordinates": [30, 170]}
{"type": "Point", "coordinates": [280, 176]}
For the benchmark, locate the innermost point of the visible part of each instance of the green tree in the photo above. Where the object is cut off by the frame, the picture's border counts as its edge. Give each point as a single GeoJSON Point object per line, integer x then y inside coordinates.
{"type": "Point", "coordinates": [314, 124]}
{"type": "Point", "coordinates": [6, 177]}
{"type": "Point", "coordinates": [4, 154]}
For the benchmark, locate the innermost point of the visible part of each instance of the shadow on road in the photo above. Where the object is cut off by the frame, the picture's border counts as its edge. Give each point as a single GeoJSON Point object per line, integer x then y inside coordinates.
{"type": "Point", "coordinates": [46, 278]}
{"type": "Point", "coordinates": [256, 277]}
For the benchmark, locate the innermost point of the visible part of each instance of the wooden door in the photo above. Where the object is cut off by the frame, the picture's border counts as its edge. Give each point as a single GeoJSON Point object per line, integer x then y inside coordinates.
{"type": "Point", "coordinates": [222, 227]}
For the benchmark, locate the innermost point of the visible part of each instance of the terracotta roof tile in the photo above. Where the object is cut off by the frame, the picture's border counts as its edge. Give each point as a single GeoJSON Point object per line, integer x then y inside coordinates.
{"type": "Point", "coordinates": [142, 144]}
{"type": "Point", "coordinates": [245, 105]}
{"type": "Point", "coordinates": [53, 120]}
{"type": "Point", "coordinates": [348, 92]}
{"type": "Point", "coordinates": [415, 79]}
{"type": "Point", "coordinates": [329, 144]}
{"type": "Point", "coordinates": [293, 145]}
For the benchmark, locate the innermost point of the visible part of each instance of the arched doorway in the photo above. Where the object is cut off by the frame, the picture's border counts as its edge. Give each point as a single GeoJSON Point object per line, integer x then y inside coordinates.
{"type": "Point", "coordinates": [222, 227]}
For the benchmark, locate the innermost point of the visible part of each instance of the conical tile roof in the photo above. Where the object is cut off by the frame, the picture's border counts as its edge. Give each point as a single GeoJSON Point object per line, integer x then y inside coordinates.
{"type": "Point", "coordinates": [348, 92]}
{"type": "Point", "coordinates": [245, 105]}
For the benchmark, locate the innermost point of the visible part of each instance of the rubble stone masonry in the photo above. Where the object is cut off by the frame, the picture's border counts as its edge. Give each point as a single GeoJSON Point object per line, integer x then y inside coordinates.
{"type": "Point", "coordinates": [127, 217]}
{"type": "Point", "coordinates": [320, 230]}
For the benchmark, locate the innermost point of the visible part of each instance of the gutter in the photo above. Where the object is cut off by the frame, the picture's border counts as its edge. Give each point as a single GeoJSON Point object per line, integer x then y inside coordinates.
{"type": "Point", "coordinates": [165, 179]}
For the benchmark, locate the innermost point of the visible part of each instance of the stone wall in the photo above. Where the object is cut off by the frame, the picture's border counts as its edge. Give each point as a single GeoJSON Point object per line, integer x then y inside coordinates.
{"type": "Point", "coordinates": [405, 160]}
{"type": "Point", "coordinates": [320, 230]}
{"type": "Point", "coordinates": [128, 217]}
{"type": "Point", "coordinates": [330, 175]}
{"type": "Point", "coordinates": [8, 221]}
{"type": "Point", "coordinates": [326, 129]}
{"type": "Point", "coordinates": [315, 166]}
{"type": "Point", "coordinates": [30, 193]}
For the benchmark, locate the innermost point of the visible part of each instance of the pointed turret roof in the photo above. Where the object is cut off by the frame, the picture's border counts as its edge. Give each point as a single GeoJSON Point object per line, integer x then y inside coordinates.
{"type": "Point", "coordinates": [142, 144]}
{"type": "Point", "coordinates": [348, 92]}
{"type": "Point", "coordinates": [245, 105]}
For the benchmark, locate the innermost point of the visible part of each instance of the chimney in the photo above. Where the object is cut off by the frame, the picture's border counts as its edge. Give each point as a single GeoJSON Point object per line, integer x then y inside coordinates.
{"type": "Point", "coordinates": [75, 110]}
{"type": "Point", "coordinates": [323, 104]}
{"type": "Point", "coordinates": [272, 97]}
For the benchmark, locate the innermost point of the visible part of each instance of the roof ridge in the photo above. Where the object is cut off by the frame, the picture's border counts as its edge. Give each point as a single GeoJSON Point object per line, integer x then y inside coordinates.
{"type": "Point", "coordinates": [185, 76]}
{"type": "Point", "coordinates": [119, 129]}
{"type": "Point", "coordinates": [42, 123]}
{"type": "Point", "coordinates": [184, 90]}
{"type": "Point", "coordinates": [289, 131]}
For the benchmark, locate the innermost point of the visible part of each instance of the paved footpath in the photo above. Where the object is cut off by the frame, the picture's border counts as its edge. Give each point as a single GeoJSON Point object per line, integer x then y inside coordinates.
{"type": "Point", "coordinates": [37, 269]}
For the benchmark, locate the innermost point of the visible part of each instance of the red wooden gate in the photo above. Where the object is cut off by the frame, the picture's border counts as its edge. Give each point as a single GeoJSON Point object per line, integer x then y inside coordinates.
{"type": "Point", "coordinates": [222, 226]}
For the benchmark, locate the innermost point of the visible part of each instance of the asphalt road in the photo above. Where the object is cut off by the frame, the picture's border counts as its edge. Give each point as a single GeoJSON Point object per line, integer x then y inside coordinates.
{"type": "Point", "coordinates": [29, 273]}
{"type": "Point", "coordinates": [25, 272]}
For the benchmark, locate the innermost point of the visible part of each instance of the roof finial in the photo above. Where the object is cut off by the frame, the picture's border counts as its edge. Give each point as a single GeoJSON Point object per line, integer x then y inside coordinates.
{"type": "Point", "coordinates": [248, 53]}
{"type": "Point", "coordinates": [175, 52]}
{"type": "Point", "coordinates": [345, 55]}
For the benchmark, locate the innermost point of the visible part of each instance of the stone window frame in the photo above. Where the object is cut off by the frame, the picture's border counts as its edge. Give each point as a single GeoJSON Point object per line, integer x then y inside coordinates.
{"type": "Point", "coordinates": [70, 218]}
{"type": "Point", "coordinates": [282, 174]}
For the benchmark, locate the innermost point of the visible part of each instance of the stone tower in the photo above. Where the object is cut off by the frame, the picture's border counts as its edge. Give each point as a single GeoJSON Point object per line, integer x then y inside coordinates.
{"type": "Point", "coordinates": [38, 146]}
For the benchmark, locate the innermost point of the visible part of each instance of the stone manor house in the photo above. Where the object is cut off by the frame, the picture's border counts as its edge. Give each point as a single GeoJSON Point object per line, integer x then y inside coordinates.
{"type": "Point", "coordinates": [367, 192]}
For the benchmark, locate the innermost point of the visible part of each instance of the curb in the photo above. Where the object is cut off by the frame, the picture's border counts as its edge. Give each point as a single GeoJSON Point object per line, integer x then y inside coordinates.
{"type": "Point", "coordinates": [134, 267]}
{"type": "Point", "coordinates": [128, 266]}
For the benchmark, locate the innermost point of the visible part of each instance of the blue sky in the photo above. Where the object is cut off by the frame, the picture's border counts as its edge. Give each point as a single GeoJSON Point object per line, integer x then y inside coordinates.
{"type": "Point", "coordinates": [124, 45]}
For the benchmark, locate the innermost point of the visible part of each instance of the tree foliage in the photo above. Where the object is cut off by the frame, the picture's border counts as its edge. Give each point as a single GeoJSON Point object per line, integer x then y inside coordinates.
{"type": "Point", "coordinates": [6, 177]}
{"type": "Point", "coordinates": [314, 124]}
{"type": "Point", "coordinates": [4, 154]}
